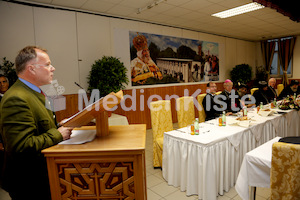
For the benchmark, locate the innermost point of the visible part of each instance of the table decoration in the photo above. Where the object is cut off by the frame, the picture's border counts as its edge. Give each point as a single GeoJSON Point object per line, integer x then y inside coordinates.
{"type": "Point", "coordinates": [289, 102]}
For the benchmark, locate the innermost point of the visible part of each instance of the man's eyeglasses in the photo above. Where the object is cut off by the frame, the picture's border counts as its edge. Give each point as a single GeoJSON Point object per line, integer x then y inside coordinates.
{"type": "Point", "coordinates": [41, 65]}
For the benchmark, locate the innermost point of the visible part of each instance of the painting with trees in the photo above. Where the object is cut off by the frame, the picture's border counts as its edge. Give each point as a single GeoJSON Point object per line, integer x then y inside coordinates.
{"type": "Point", "coordinates": [159, 59]}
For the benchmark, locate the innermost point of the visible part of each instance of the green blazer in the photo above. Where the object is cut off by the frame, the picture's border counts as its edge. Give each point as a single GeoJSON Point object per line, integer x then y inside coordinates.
{"type": "Point", "coordinates": [27, 128]}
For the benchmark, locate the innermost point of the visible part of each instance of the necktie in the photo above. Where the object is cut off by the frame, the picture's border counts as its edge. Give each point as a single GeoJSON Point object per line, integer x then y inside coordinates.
{"type": "Point", "coordinates": [43, 93]}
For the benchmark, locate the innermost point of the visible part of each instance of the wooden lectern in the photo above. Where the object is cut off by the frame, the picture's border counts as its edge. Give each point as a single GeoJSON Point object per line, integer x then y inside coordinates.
{"type": "Point", "coordinates": [98, 111]}
{"type": "Point", "coordinates": [108, 168]}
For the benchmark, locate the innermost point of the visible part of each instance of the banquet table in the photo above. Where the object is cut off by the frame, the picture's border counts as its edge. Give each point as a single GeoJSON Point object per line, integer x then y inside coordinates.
{"type": "Point", "coordinates": [208, 164]}
{"type": "Point", "coordinates": [255, 169]}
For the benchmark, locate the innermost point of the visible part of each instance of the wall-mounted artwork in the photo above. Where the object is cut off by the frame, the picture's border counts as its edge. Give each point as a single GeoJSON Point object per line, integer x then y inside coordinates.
{"type": "Point", "coordinates": [159, 59]}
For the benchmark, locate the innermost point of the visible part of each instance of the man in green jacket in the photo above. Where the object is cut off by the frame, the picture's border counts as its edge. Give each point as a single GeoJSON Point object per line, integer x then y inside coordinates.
{"type": "Point", "coordinates": [28, 127]}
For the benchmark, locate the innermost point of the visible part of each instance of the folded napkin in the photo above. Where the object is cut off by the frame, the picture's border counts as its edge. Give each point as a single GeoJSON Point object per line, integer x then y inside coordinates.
{"type": "Point", "coordinates": [266, 113]}
{"type": "Point", "coordinates": [235, 122]}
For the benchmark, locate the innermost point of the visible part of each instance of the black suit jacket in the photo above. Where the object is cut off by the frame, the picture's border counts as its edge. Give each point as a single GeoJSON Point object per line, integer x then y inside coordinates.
{"type": "Point", "coordinates": [209, 107]}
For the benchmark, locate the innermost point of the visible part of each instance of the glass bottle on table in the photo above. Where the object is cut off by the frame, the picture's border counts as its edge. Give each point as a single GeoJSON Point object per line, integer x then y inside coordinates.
{"type": "Point", "coordinates": [245, 111]}
{"type": "Point", "coordinates": [261, 105]}
{"type": "Point", "coordinates": [196, 125]}
{"type": "Point", "coordinates": [224, 119]}
{"type": "Point", "coordinates": [192, 129]}
{"type": "Point", "coordinates": [220, 120]}
{"type": "Point", "coordinates": [274, 103]}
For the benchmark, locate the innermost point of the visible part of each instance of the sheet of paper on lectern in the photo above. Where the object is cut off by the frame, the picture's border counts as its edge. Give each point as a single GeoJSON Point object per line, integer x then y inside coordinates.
{"type": "Point", "coordinates": [80, 137]}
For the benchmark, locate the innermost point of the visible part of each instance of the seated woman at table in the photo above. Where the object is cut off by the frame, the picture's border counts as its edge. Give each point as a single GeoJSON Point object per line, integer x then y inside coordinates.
{"type": "Point", "coordinates": [291, 89]}
{"type": "Point", "coordinates": [230, 98]}
{"type": "Point", "coordinates": [261, 94]}
{"type": "Point", "coordinates": [209, 103]}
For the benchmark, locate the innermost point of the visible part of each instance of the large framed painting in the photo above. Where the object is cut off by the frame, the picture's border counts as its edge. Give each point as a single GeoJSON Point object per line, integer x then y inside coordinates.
{"type": "Point", "coordinates": [160, 59]}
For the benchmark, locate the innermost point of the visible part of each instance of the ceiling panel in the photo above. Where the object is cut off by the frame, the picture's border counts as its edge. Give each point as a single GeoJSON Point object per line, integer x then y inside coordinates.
{"type": "Point", "coordinates": [192, 15]}
{"type": "Point", "coordinates": [69, 3]}
{"type": "Point", "coordinates": [98, 6]}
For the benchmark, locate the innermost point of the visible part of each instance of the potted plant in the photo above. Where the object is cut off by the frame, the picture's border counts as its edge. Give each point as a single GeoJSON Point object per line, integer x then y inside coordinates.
{"type": "Point", "coordinates": [261, 74]}
{"type": "Point", "coordinates": [8, 70]}
{"type": "Point", "coordinates": [241, 74]}
{"type": "Point", "coordinates": [107, 75]}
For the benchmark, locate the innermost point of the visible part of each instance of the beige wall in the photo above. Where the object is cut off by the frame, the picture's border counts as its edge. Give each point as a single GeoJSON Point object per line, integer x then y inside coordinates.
{"type": "Point", "coordinates": [75, 40]}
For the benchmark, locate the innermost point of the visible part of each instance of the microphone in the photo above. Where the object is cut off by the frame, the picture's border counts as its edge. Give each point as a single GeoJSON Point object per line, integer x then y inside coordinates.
{"type": "Point", "coordinates": [78, 85]}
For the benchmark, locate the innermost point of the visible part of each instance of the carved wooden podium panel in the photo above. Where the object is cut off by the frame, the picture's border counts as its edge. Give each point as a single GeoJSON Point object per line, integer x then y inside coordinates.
{"type": "Point", "coordinates": [108, 168]}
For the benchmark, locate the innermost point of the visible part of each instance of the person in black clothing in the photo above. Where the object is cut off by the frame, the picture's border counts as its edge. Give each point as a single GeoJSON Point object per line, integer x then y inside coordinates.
{"type": "Point", "coordinates": [261, 94]}
{"type": "Point", "coordinates": [230, 98]}
{"type": "Point", "coordinates": [271, 89]}
{"type": "Point", "coordinates": [244, 100]}
{"type": "Point", "coordinates": [209, 104]}
{"type": "Point", "coordinates": [290, 90]}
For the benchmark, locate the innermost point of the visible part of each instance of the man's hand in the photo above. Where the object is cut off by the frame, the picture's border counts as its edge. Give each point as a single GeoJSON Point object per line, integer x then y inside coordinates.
{"type": "Point", "coordinates": [228, 113]}
{"type": "Point", "coordinates": [65, 132]}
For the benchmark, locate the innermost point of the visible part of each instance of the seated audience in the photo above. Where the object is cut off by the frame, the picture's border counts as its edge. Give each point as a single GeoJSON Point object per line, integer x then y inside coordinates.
{"type": "Point", "coordinates": [260, 95]}
{"type": "Point", "coordinates": [231, 102]}
{"type": "Point", "coordinates": [4, 85]}
{"type": "Point", "coordinates": [209, 104]}
{"type": "Point", "coordinates": [271, 89]}
{"type": "Point", "coordinates": [290, 90]}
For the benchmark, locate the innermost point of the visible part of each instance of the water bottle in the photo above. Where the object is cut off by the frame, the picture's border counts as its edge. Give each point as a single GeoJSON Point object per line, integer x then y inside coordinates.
{"type": "Point", "coordinates": [196, 125]}
{"type": "Point", "coordinates": [224, 119]}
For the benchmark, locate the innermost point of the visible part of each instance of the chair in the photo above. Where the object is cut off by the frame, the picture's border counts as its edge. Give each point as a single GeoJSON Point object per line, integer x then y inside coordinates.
{"type": "Point", "coordinates": [279, 88]}
{"type": "Point", "coordinates": [185, 111]}
{"type": "Point", "coordinates": [285, 171]}
{"type": "Point", "coordinates": [202, 114]}
{"type": "Point", "coordinates": [161, 120]}
{"type": "Point", "coordinates": [253, 90]}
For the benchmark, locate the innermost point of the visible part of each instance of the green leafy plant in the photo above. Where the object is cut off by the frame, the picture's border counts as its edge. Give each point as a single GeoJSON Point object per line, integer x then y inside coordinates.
{"type": "Point", "coordinates": [241, 74]}
{"type": "Point", "coordinates": [8, 70]}
{"type": "Point", "coordinates": [261, 74]}
{"type": "Point", "coordinates": [107, 75]}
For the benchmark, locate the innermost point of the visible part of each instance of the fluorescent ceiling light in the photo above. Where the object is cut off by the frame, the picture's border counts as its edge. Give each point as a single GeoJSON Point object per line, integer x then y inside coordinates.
{"type": "Point", "coordinates": [238, 10]}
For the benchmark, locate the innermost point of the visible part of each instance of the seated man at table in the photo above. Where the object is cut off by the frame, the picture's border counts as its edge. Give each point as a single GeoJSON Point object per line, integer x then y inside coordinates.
{"type": "Point", "coordinates": [230, 98]}
{"type": "Point", "coordinates": [261, 94]}
{"type": "Point", "coordinates": [244, 100]}
{"type": "Point", "coordinates": [271, 89]}
{"type": "Point", "coordinates": [290, 90]}
{"type": "Point", "coordinates": [210, 107]}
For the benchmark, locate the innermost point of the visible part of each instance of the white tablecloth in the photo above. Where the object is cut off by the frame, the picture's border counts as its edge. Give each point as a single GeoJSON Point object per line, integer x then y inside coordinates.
{"type": "Point", "coordinates": [255, 169]}
{"type": "Point", "coordinates": [208, 164]}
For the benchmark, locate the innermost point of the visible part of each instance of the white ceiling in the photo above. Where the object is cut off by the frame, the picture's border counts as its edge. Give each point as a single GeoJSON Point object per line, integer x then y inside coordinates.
{"type": "Point", "coordinates": [195, 15]}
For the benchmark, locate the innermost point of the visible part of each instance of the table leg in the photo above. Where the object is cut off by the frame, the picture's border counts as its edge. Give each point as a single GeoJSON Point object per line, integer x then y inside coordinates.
{"type": "Point", "coordinates": [252, 193]}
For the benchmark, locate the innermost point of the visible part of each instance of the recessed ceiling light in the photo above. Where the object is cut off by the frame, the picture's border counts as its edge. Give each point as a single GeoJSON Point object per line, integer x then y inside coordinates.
{"type": "Point", "coordinates": [239, 10]}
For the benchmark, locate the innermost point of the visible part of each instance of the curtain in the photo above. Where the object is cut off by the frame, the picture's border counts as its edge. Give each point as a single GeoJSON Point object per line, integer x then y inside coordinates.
{"type": "Point", "coordinates": [285, 53]}
{"type": "Point", "coordinates": [268, 48]}
{"type": "Point", "coordinates": [285, 7]}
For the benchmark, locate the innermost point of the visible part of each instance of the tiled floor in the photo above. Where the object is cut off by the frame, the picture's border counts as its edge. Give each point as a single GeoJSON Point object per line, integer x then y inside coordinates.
{"type": "Point", "coordinates": [158, 189]}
